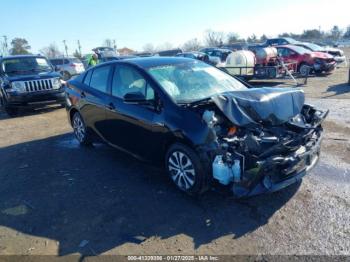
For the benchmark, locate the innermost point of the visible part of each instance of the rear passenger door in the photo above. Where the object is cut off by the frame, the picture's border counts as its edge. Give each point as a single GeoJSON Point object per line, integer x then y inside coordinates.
{"type": "Point", "coordinates": [94, 98]}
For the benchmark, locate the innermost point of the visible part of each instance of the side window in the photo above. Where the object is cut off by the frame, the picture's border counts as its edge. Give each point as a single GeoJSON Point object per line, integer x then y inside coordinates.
{"type": "Point", "coordinates": [66, 61]}
{"type": "Point", "coordinates": [99, 78]}
{"type": "Point", "coordinates": [87, 78]}
{"type": "Point", "coordinates": [282, 51]}
{"type": "Point", "coordinates": [128, 80]}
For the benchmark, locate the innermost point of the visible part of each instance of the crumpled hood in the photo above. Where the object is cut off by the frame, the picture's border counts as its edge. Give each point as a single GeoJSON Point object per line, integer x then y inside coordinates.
{"type": "Point", "coordinates": [271, 106]}
{"type": "Point", "coordinates": [321, 55]}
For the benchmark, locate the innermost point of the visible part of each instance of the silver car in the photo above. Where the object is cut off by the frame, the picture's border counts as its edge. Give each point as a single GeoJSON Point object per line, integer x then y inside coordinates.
{"type": "Point", "coordinates": [68, 66]}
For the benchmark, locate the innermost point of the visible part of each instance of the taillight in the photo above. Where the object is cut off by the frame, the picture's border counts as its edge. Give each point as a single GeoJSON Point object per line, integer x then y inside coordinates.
{"type": "Point", "coordinates": [73, 65]}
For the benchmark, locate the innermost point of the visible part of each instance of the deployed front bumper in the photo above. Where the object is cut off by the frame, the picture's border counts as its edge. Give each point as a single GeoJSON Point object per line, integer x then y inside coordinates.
{"type": "Point", "coordinates": [327, 67]}
{"type": "Point", "coordinates": [296, 167]}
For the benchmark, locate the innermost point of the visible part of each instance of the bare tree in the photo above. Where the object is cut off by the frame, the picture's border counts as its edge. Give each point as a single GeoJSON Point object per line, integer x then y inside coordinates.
{"type": "Point", "coordinates": [232, 38]}
{"type": "Point", "coordinates": [165, 46]}
{"type": "Point", "coordinates": [51, 51]}
{"type": "Point", "coordinates": [214, 38]}
{"type": "Point", "coordinates": [192, 45]}
{"type": "Point", "coordinates": [149, 48]}
{"type": "Point", "coordinates": [252, 39]}
{"type": "Point", "coordinates": [336, 33]}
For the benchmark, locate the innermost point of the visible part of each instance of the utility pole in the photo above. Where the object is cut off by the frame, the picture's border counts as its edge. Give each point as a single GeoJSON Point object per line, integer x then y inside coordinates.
{"type": "Point", "coordinates": [79, 48]}
{"type": "Point", "coordinates": [5, 46]}
{"type": "Point", "coordinates": [65, 47]}
{"type": "Point", "coordinates": [114, 45]}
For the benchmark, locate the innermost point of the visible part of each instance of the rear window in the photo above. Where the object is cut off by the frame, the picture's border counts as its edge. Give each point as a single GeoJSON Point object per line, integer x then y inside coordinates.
{"type": "Point", "coordinates": [56, 62]}
{"type": "Point", "coordinates": [75, 60]}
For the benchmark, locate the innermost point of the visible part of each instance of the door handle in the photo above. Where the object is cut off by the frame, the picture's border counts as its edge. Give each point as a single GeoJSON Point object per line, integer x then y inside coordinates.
{"type": "Point", "coordinates": [111, 106]}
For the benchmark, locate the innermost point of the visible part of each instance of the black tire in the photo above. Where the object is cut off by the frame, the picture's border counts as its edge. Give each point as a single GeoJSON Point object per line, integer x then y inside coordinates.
{"type": "Point", "coordinates": [80, 130]}
{"type": "Point", "coordinates": [11, 111]}
{"type": "Point", "coordinates": [304, 69]}
{"type": "Point", "coordinates": [180, 170]}
{"type": "Point", "coordinates": [66, 75]}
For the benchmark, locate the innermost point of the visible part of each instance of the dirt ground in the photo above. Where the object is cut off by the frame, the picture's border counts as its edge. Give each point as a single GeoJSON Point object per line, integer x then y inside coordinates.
{"type": "Point", "coordinates": [59, 198]}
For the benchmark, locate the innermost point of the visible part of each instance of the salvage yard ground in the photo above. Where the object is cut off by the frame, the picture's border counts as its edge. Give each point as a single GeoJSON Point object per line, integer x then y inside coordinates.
{"type": "Point", "coordinates": [59, 198]}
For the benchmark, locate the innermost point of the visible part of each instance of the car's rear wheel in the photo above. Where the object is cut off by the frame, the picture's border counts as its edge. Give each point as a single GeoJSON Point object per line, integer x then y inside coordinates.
{"type": "Point", "coordinates": [304, 69]}
{"type": "Point", "coordinates": [80, 130]}
{"type": "Point", "coordinates": [186, 170]}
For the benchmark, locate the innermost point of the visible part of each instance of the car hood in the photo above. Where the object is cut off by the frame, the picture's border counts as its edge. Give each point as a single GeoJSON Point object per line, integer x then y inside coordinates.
{"type": "Point", "coordinates": [36, 76]}
{"type": "Point", "coordinates": [260, 106]}
{"type": "Point", "coordinates": [321, 55]}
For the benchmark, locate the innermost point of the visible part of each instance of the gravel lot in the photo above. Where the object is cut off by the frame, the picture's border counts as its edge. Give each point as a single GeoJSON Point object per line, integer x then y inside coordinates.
{"type": "Point", "coordinates": [59, 198]}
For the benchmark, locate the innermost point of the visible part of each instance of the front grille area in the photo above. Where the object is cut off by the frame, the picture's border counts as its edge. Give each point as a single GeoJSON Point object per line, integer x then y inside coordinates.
{"type": "Point", "coordinates": [38, 85]}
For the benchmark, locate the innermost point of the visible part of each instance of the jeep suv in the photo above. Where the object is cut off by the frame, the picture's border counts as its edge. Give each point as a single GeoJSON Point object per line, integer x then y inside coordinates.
{"type": "Point", "coordinates": [28, 80]}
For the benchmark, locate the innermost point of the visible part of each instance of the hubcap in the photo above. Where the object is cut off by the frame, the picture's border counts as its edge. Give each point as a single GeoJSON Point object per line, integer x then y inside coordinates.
{"type": "Point", "coordinates": [79, 128]}
{"type": "Point", "coordinates": [181, 170]}
{"type": "Point", "coordinates": [303, 70]}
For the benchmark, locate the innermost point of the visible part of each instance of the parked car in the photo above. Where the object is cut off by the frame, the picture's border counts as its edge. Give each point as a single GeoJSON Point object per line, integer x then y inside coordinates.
{"type": "Point", "coordinates": [306, 60]}
{"type": "Point", "coordinates": [280, 41]}
{"type": "Point", "coordinates": [195, 55]}
{"type": "Point", "coordinates": [28, 80]}
{"type": "Point", "coordinates": [104, 51]}
{"type": "Point", "coordinates": [114, 58]}
{"type": "Point", "coordinates": [68, 66]}
{"type": "Point", "coordinates": [202, 124]}
{"type": "Point", "coordinates": [216, 55]}
{"type": "Point", "coordinates": [338, 54]}
{"type": "Point", "coordinates": [171, 52]}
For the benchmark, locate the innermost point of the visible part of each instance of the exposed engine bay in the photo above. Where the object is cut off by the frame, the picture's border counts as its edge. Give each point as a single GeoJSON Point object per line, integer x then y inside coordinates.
{"type": "Point", "coordinates": [265, 139]}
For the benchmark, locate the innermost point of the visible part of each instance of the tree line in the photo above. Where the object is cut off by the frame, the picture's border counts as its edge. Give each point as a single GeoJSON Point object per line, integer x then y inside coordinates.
{"type": "Point", "coordinates": [20, 46]}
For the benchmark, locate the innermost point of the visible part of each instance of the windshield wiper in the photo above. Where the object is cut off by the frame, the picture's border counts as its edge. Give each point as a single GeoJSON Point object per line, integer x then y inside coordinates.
{"type": "Point", "coordinates": [196, 102]}
{"type": "Point", "coordinates": [40, 69]}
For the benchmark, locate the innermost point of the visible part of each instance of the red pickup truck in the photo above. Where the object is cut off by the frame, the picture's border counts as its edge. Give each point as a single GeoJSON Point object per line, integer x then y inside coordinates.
{"type": "Point", "coordinates": [317, 62]}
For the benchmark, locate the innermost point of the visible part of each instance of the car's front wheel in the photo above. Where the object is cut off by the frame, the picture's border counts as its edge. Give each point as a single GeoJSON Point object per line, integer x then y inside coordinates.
{"type": "Point", "coordinates": [10, 110]}
{"type": "Point", "coordinates": [80, 130]}
{"type": "Point", "coordinates": [186, 170]}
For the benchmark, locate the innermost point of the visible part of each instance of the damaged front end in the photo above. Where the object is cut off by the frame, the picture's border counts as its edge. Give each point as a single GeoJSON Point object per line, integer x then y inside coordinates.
{"type": "Point", "coordinates": [268, 138]}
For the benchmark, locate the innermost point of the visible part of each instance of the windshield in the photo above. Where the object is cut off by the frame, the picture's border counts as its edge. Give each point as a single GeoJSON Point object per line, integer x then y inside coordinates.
{"type": "Point", "coordinates": [25, 65]}
{"type": "Point", "coordinates": [313, 47]}
{"type": "Point", "coordinates": [300, 50]}
{"type": "Point", "coordinates": [190, 82]}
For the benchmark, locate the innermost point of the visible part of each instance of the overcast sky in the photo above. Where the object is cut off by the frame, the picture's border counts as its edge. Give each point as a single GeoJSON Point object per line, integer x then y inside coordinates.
{"type": "Point", "coordinates": [134, 23]}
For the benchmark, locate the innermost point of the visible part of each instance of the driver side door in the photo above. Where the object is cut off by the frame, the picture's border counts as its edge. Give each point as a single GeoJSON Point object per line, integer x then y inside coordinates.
{"type": "Point", "coordinates": [131, 125]}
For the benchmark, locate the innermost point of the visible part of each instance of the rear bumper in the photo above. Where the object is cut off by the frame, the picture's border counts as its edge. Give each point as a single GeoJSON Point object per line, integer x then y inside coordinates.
{"type": "Point", "coordinates": [41, 97]}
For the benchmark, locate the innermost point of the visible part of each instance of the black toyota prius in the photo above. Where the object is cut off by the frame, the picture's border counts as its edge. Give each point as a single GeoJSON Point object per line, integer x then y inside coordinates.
{"type": "Point", "coordinates": [203, 125]}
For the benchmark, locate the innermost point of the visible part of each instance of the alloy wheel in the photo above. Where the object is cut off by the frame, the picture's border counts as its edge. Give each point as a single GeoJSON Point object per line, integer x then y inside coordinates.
{"type": "Point", "coordinates": [182, 170]}
{"type": "Point", "coordinates": [79, 128]}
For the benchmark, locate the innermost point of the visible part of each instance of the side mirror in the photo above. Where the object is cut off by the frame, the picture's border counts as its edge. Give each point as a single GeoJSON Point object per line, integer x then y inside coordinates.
{"type": "Point", "coordinates": [56, 68]}
{"type": "Point", "coordinates": [135, 97]}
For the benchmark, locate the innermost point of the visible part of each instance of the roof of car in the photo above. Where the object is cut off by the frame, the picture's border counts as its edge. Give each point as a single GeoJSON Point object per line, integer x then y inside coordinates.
{"type": "Point", "coordinates": [20, 56]}
{"type": "Point", "coordinates": [154, 61]}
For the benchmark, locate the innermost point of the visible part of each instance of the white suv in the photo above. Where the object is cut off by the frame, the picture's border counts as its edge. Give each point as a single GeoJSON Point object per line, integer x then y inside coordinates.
{"type": "Point", "coordinates": [68, 66]}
